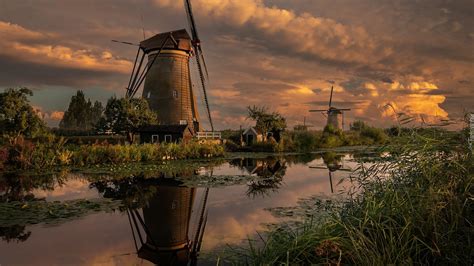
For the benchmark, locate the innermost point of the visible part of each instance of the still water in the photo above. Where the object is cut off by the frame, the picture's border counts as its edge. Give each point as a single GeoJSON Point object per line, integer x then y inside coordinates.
{"type": "Point", "coordinates": [161, 218]}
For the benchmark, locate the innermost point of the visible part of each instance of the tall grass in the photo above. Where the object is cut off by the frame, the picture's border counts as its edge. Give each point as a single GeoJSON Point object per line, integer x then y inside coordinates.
{"type": "Point", "coordinates": [53, 152]}
{"type": "Point", "coordinates": [415, 207]}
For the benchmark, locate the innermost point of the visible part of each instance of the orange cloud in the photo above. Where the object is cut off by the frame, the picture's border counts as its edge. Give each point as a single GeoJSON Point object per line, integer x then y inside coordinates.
{"type": "Point", "coordinates": [17, 42]}
{"type": "Point", "coordinates": [56, 115]}
{"type": "Point", "coordinates": [324, 38]}
{"type": "Point", "coordinates": [419, 104]}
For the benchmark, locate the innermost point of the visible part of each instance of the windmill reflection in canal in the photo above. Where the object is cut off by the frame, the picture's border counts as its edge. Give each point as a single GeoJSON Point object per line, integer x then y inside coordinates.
{"type": "Point", "coordinates": [332, 162]}
{"type": "Point", "coordinates": [162, 231]}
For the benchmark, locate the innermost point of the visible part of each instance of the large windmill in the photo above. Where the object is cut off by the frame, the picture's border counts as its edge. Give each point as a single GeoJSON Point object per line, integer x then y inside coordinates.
{"type": "Point", "coordinates": [335, 115]}
{"type": "Point", "coordinates": [166, 75]}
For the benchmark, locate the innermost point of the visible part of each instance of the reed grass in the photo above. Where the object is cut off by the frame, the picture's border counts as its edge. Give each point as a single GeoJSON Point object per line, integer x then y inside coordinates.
{"type": "Point", "coordinates": [414, 207]}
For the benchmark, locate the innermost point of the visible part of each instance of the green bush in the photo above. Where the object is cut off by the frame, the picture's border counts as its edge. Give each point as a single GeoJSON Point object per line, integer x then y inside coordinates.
{"type": "Point", "coordinates": [376, 134]}
{"type": "Point", "coordinates": [264, 147]}
{"type": "Point", "coordinates": [305, 141]}
{"type": "Point", "coordinates": [231, 146]}
{"type": "Point", "coordinates": [331, 141]}
{"type": "Point", "coordinates": [330, 130]}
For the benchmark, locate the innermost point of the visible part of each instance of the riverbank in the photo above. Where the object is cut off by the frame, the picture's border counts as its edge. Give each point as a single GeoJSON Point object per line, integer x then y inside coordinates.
{"type": "Point", "coordinates": [53, 152]}
{"type": "Point", "coordinates": [414, 207]}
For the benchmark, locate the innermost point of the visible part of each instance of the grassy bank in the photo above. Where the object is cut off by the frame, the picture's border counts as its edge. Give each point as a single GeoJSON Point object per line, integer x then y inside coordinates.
{"type": "Point", "coordinates": [308, 141]}
{"type": "Point", "coordinates": [415, 207]}
{"type": "Point", "coordinates": [52, 152]}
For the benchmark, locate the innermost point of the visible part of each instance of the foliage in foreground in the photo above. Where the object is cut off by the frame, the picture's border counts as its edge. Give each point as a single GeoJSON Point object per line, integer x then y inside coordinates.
{"type": "Point", "coordinates": [51, 152]}
{"type": "Point", "coordinates": [416, 207]}
{"type": "Point", "coordinates": [17, 116]}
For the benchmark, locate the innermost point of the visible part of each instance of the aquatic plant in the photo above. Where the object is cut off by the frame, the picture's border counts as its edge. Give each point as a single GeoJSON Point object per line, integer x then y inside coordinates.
{"type": "Point", "coordinates": [415, 207]}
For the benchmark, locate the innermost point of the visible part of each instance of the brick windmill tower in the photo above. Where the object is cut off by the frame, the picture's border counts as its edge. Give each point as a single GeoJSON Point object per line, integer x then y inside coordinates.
{"type": "Point", "coordinates": [166, 76]}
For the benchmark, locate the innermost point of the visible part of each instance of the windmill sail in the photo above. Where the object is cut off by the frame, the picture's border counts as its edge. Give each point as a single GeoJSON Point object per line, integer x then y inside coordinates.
{"type": "Point", "coordinates": [201, 63]}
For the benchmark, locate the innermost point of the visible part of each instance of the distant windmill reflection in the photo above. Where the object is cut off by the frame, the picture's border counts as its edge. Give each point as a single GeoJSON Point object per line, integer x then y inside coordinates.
{"type": "Point", "coordinates": [333, 162]}
{"type": "Point", "coordinates": [162, 232]}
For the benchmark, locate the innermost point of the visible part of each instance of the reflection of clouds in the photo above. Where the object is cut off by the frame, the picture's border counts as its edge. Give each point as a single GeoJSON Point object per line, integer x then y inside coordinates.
{"type": "Point", "coordinates": [106, 239]}
{"type": "Point", "coordinates": [98, 239]}
{"type": "Point", "coordinates": [73, 188]}
{"type": "Point", "coordinates": [232, 230]}
{"type": "Point", "coordinates": [233, 216]}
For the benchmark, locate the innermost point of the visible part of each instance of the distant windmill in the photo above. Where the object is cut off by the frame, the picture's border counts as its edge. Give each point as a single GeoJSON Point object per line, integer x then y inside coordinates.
{"type": "Point", "coordinates": [303, 127]}
{"type": "Point", "coordinates": [335, 115]}
{"type": "Point", "coordinates": [166, 75]}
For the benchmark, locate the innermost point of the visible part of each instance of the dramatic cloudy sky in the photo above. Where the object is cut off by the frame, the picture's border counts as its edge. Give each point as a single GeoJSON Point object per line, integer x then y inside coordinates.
{"type": "Point", "coordinates": [285, 54]}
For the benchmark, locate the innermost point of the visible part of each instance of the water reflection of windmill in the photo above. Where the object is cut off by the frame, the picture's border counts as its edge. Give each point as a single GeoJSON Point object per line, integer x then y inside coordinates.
{"type": "Point", "coordinates": [166, 220]}
{"type": "Point", "coordinates": [166, 76]}
{"type": "Point", "coordinates": [335, 116]}
{"type": "Point", "coordinates": [333, 163]}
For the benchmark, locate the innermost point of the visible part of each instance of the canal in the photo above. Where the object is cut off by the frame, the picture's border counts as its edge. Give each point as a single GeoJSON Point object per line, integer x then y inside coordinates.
{"type": "Point", "coordinates": [178, 216]}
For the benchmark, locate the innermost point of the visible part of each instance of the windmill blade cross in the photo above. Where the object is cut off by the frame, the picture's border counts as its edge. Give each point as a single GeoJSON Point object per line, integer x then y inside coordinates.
{"type": "Point", "coordinates": [315, 111]}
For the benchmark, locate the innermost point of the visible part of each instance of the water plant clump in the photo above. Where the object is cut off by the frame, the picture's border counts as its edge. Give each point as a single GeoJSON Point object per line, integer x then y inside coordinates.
{"type": "Point", "coordinates": [415, 207]}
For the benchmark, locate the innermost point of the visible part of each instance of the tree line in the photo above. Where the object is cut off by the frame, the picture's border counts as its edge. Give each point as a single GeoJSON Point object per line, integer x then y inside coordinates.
{"type": "Point", "coordinates": [120, 115]}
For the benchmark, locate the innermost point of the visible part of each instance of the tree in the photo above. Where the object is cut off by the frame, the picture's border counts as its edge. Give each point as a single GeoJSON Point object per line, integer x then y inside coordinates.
{"type": "Point", "coordinates": [358, 125]}
{"type": "Point", "coordinates": [267, 122]}
{"type": "Point", "coordinates": [126, 116]}
{"type": "Point", "coordinates": [81, 114]}
{"type": "Point", "coordinates": [17, 116]}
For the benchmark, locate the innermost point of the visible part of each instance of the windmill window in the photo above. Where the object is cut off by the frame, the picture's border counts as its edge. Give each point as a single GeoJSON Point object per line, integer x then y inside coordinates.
{"type": "Point", "coordinates": [148, 95]}
{"type": "Point", "coordinates": [168, 138]}
{"type": "Point", "coordinates": [175, 94]}
{"type": "Point", "coordinates": [154, 138]}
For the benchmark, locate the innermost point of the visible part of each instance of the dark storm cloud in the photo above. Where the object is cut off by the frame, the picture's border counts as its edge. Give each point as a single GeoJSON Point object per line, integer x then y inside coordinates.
{"type": "Point", "coordinates": [15, 73]}
{"type": "Point", "coordinates": [355, 87]}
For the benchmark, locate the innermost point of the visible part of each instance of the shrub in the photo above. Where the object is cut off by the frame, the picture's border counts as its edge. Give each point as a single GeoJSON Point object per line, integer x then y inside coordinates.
{"type": "Point", "coordinates": [305, 141]}
{"type": "Point", "coordinates": [331, 141]}
{"type": "Point", "coordinates": [330, 130]}
{"type": "Point", "coordinates": [376, 134]}
{"type": "Point", "coordinates": [264, 147]}
{"type": "Point", "coordinates": [231, 145]}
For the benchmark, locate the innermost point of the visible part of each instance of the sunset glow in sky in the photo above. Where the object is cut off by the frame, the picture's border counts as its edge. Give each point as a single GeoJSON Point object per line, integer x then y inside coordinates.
{"type": "Point", "coordinates": [285, 54]}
